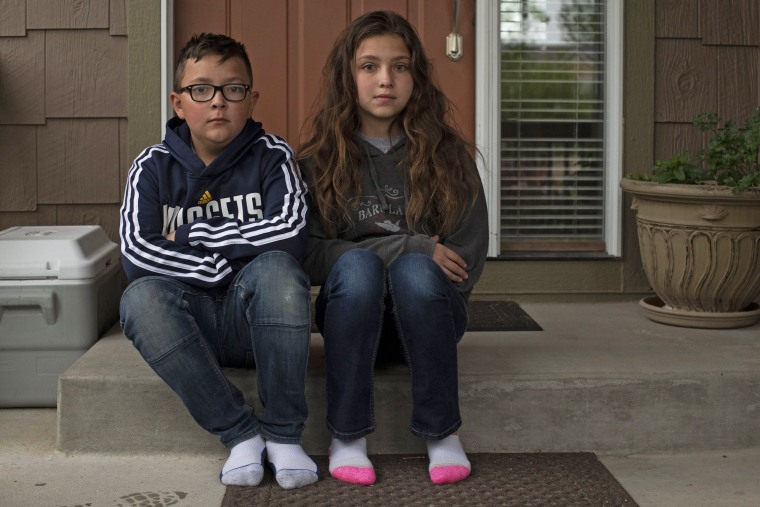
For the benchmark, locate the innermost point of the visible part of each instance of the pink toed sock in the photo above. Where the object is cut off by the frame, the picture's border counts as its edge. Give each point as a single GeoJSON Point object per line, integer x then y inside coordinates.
{"type": "Point", "coordinates": [355, 475]}
{"type": "Point", "coordinates": [349, 462]}
{"type": "Point", "coordinates": [448, 474]}
{"type": "Point", "coordinates": [448, 461]}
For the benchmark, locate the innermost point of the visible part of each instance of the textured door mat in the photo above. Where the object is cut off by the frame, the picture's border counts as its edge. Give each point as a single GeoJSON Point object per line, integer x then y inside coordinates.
{"type": "Point", "coordinates": [499, 316]}
{"type": "Point", "coordinates": [524, 480]}
{"type": "Point", "coordinates": [489, 316]}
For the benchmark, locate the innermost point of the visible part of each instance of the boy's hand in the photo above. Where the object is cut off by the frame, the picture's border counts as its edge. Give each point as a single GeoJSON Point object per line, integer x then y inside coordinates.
{"type": "Point", "coordinates": [450, 262]}
{"type": "Point", "coordinates": [170, 236]}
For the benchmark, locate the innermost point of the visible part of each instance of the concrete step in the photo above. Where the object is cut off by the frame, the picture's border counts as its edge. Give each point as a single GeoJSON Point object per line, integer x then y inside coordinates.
{"type": "Point", "coordinates": [601, 377]}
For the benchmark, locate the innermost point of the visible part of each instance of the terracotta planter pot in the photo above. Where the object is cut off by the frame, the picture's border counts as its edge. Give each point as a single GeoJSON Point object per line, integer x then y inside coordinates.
{"type": "Point", "coordinates": [700, 247]}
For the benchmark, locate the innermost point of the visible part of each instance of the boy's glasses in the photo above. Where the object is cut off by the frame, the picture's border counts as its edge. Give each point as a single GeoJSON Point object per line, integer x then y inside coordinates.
{"type": "Point", "coordinates": [204, 92]}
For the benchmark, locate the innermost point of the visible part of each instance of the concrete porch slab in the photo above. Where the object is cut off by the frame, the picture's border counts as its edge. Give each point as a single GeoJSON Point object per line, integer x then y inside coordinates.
{"type": "Point", "coordinates": [600, 377]}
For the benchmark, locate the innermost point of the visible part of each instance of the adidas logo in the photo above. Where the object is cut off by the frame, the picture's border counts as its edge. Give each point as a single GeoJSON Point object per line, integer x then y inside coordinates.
{"type": "Point", "coordinates": [206, 197]}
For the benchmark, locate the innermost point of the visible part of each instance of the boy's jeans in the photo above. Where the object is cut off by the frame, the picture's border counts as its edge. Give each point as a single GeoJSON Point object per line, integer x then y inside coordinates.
{"type": "Point", "coordinates": [186, 334]}
{"type": "Point", "coordinates": [430, 317]}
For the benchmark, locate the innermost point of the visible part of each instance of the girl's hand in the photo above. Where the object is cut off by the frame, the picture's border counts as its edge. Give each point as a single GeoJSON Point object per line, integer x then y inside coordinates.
{"type": "Point", "coordinates": [449, 261]}
{"type": "Point", "coordinates": [170, 236]}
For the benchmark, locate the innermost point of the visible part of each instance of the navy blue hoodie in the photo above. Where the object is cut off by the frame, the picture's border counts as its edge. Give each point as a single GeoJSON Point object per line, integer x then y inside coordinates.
{"type": "Point", "coordinates": [249, 200]}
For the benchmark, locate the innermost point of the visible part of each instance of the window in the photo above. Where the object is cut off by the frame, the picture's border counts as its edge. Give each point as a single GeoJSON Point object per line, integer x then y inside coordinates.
{"type": "Point", "coordinates": [557, 71]}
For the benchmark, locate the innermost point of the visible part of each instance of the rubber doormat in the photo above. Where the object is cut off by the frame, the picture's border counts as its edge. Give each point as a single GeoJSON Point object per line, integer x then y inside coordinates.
{"type": "Point", "coordinates": [489, 316]}
{"type": "Point", "coordinates": [499, 316]}
{"type": "Point", "coordinates": [524, 480]}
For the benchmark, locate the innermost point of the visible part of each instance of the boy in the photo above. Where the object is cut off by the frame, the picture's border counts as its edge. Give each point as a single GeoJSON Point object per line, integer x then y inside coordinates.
{"type": "Point", "coordinates": [213, 228]}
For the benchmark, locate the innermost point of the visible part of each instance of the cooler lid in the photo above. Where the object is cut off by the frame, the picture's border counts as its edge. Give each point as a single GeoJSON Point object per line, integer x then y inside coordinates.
{"type": "Point", "coordinates": [60, 251]}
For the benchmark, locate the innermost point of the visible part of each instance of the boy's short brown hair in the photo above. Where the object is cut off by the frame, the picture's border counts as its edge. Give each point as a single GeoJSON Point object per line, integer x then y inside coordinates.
{"type": "Point", "coordinates": [211, 44]}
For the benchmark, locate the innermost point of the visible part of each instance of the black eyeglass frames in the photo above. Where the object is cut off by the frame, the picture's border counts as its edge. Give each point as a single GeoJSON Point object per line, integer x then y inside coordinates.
{"type": "Point", "coordinates": [203, 92]}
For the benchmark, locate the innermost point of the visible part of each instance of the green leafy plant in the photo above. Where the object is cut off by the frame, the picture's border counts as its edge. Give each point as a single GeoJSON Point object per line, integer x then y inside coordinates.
{"type": "Point", "coordinates": [730, 157]}
{"type": "Point", "coordinates": [678, 169]}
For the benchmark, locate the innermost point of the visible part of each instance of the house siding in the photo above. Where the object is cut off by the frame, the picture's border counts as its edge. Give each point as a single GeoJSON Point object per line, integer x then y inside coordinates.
{"type": "Point", "coordinates": [706, 60]}
{"type": "Point", "coordinates": [63, 111]}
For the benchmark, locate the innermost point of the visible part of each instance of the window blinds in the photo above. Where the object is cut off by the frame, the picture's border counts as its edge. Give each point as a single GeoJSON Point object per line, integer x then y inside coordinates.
{"type": "Point", "coordinates": [552, 125]}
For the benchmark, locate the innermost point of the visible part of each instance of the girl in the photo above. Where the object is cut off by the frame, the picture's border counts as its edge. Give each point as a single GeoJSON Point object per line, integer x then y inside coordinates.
{"type": "Point", "coordinates": [398, 239]}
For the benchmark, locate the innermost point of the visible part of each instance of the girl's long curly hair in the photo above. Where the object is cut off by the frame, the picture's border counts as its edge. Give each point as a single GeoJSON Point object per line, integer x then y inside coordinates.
{"type": "Point", "coordinates": [442, 184]}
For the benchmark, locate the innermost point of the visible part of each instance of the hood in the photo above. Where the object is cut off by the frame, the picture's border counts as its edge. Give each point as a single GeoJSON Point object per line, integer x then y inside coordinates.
{"type": "Point", "coordinates": [378, 162]}
{"type": "Point", "coordinates": [178, 143]}
{"type": "Point", "coordinates": [395, 153]}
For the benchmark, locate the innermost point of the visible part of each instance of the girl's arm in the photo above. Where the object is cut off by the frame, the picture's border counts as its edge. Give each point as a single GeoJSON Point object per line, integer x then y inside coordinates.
{"type": "Point", "coordinates": [470, 240]}
{"type": "Point", "coordinates": [323, 252]}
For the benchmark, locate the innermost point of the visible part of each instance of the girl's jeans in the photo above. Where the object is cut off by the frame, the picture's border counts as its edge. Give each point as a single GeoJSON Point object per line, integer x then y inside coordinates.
{"type": "Point", "coordinates": [429, 317]}
{"type": "Point", "coordinates": [187, 334]}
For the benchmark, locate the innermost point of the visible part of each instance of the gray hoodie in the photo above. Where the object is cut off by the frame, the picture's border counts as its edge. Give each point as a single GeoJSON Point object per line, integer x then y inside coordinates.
{"type": "Point", "coordinates": [379, 222]}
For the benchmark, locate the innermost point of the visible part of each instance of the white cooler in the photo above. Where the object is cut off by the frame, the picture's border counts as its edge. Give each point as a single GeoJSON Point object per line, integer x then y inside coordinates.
{"type": "Point", "coordinates": [59, 292]}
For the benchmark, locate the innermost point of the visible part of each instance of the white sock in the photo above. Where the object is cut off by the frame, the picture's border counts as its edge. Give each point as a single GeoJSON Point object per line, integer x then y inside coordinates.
{"type": "Point", "coordinates": [448, 461]}
{"type": "Point", "coordinates": [349, 461]}
{"type": "Point", "coordinates": [292, 467]}
{"type": "Point", "coordinates": [245, 467]}
{"type": "Point", "coordinates": [349, 453]}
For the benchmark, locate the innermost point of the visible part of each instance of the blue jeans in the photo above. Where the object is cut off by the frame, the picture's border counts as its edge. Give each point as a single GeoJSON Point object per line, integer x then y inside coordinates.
{"type": "Point", "coordinates": [422, 309]}
{"type": "Point", "coordinates": [187, 334]}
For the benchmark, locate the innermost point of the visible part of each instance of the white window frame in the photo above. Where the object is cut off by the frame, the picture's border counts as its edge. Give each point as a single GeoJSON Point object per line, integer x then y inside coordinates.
{"type": "Point", "coordinates": [167, 61]}
{"type": "Point", "coordinates": [488, 120]}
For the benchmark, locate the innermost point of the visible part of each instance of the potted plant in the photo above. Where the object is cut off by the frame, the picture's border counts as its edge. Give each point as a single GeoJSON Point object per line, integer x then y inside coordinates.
{"type": "Point", "coordinates": [698, 221]}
